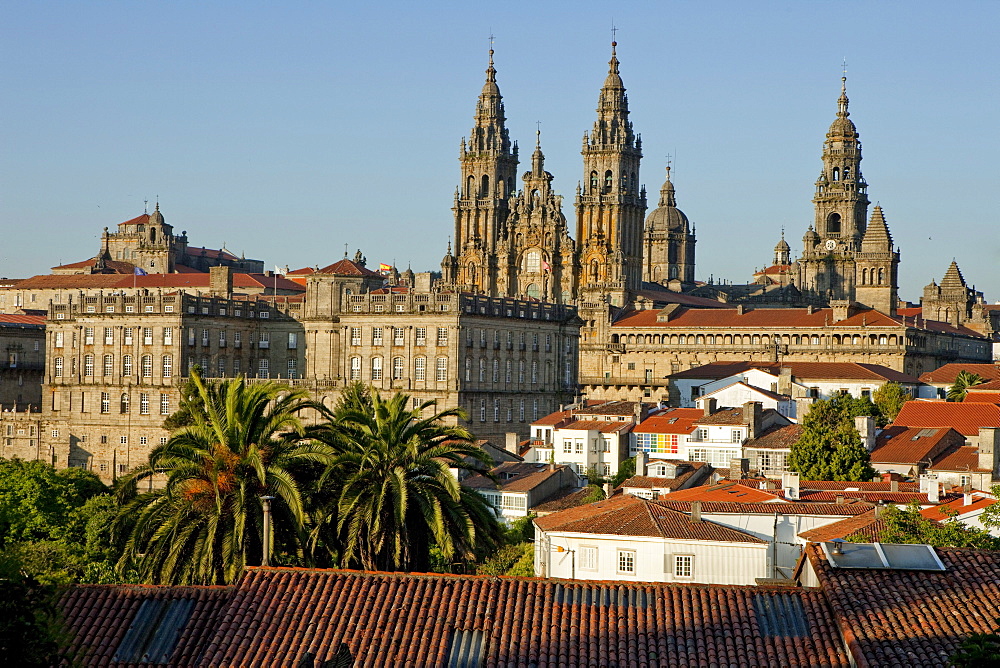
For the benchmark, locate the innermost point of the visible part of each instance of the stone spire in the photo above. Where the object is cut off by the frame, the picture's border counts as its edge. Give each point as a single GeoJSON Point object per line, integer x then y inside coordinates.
{"type": "Point", "coordinates": [953, 277]}
{"type": "Point", "coordinates": [612, 126]}
{"type": "Point", "coordinates": [667, 194]}
{"type": "Point", "coordinates": [537, 158]}
{"type": "Point", "coordinates": [489, 132]}
{"type": "Point", "coordinates": [877, 237]}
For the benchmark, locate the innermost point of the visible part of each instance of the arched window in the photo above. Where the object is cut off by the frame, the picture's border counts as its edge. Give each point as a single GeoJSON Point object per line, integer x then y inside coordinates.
{"type": "Point", "coordinates": [88, 365]}
{"type": "Point", "coordinates": [470, 187]}
{"type": "Point", "coordinates": [883, 340]}
{"type": "Point", "coordinates": [593, 182]}
{"type": "Point", "coordinates": [815, 340]}
{"type": "Point", "coordinates": [397, 368]}
{"type": "Point", "coordinates": [532, 262]}
{"type": "Point", "coordinates": [864, 277]}
{"type": "Point", "coordinates": [109, 365]}
{"type": "Point", "coordinates": [59, 367]}
{"type": "Point", "coordinates": [881, 276]}
{"type": "Point", "coordinates": [833, 223]}
{"type": "Point", "coordinates": [124, 403]}
{"type": "Point", "coordinates": [355, 368]}
{"type": "Point", "coordinates": [126, 365]}
{"type": "Point", "coordinates": [168, 366]}
{"type": "Point", "coordinates": [624, 183]}
{"type": "Point", "coordinates": [836, 173]}
{"type": "Point", "coordinates": [847, 173]}
{"type": "Point", "coordinates": [147, 366]}
{"type": "Point", "coordinates": [500, 188]}
{"type": "Point", "coordinates": [420, 368]}
{"type": "Point", "coordinates": [608, 181]}
{"type": "Point", "coordinates": [486, 186]}
{"type": "Point", "coordinates": [376, 368]}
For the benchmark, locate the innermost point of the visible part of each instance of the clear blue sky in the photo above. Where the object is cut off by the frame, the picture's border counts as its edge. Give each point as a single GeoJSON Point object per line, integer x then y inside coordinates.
{"type": "Point", "coordinates": [286, 130]}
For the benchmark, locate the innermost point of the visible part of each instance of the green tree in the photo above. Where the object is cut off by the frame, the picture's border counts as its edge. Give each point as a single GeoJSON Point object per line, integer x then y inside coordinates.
{"type": "Point", "coordinates": [190, 404]}
{"type": "Point", "coordinates": [889, 400]}
{"type": "Point", "coordinates": [205, 525]}
{"type": "Point", "coordinates": [391, 493]}
{"type": "Point", "coordinates": [829, 447]}
{"type": "Point", "coordinates": [31, 633]}
{"type": "Point", "coordinates": [979, 650]}
{"type": "Point", "coordinates": [626, 470]}
{"type": "Point", "coordinates": [963, 381]}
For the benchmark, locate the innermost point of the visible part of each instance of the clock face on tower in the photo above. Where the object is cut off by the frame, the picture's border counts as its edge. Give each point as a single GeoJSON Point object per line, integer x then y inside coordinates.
{"type": "Point", "coordinates": [830, 244]}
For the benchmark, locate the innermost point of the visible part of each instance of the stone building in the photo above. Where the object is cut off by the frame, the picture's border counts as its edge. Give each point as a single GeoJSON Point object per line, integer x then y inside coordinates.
{"type": "Point", "coordinates": [115, 372]}
{"type": "Point", "coordinates": [504, 361]}
{"type": "Point", "coordinates": [22, 345]}
{"type": "Point", "coordinates": [668, 243]}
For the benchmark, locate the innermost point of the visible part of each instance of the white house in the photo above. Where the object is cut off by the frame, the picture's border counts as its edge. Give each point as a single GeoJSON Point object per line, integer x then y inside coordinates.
{"type": "Point", "coordinates": [589, 437]}
{"type": "Point", "coordinates": [968, 510]}
{"type": "Point", "coordinates": [738, 393]}
{"type": "Point", "coordinates": [628, 538]}
{"type": "Point", "coordinates": [719, 435]}
{"type": "Point", "coordinates": [520, 486]}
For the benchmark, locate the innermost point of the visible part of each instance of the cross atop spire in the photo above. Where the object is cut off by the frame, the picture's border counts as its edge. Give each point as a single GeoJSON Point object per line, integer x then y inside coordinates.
{"type": "Point", "coordinates": [842, 100]}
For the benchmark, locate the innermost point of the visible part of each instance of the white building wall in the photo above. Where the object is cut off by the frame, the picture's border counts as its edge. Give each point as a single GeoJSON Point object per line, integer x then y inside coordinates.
{"type": "Point", "coordinates": [589, 449]}
{"type": "Point", "coordinates": [711, 562]}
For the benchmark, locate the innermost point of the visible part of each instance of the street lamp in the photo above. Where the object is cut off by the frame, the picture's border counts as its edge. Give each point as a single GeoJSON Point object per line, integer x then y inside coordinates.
{"type": "Point", "coordinates": [266, 542]}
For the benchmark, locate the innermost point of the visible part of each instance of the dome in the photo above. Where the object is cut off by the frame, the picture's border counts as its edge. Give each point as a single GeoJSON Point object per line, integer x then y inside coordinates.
{"type": "Point", "coordinates": [156, 218]}
{"type": "Point", "coordinates": [667, 216]}
{"type": "Point", "coordinates": [782, 246]}
{"type": "Point", "coordinates": [843, 127]}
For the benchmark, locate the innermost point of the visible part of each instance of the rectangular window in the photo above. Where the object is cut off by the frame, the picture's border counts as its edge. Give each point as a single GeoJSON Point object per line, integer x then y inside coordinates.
{"type": "Point", "coordinates": [737, 436]}
{"type": "Point", "coordinates": [191, 336]}
{"type": "Point", "coordinates": [205, 334]}
{"type": "Point", "coordinates": [147, 336]}
{"type": "Point", "coordinates": [236, 366]}
{"type": "Point", "coordinates": [355, 368]}
{"type": "Point", "coordinates": [143, 404]}
{"type": "Point", "coordinates": [168, 336]}
{"type": "Point", "coordinates": [123, 440]}
{"type": "Point", "coordinates": [568, 446]}
{"type": "Point", "coordinates": [376, 336]}
{"type": "Point", "coordinates": [626, 562]}
{"type": "Point", "coordinates": [579, 446]}
{"type": "Point", "coordinates": [496, 410]}
{"type": "Point", "coordinates": [109, 365]}
{"type": "Point", "coordinates": [377, 368]}
{"type": "Point", "coordinates": [397, 368]}
{"type": "Point", "coordinates": [264, 340]}
{"type": "Point", "coordinates": [442, 336]}
{"type": "Point", "coordinates": [482, 410]}
{"type": "Point", "coordinates": [421, 336]}
{"type": "Point", "coordinates": [293, 340]}
{"type": "Point", "coordinates": [105, 402]}
{"type": "Point", "coordinates": [143, 440]}
{"type": "Point", "coordinates": [221, 367]}
{"type": "Point", "coordinates": [262, 368]}
{"type": "Point", "coordinates": [588, 558]}
{"type": "Point", "coordinates": [442, 369]}
{"type": "Point", "coordinates": [521, 411]}
{"type": "Point", "coordinates": [88, 336]}
{"type": "Point", "coordinates": [237, 338]}
{"type": "Point", "coordinates": [147, 366]}
{"type": "Point", "coordinates": [355, 336]}
{"type": "Point", "coordinates": [222, 338]}
{"type": "Point", "coordinates": [420, 368]}
{"type": "Point", "coordinates": [163, 440]}
{"type": "Point", "coordinates": [397, 336]}
{"type": "Point", "coordinates": [683, 565]}
{"type": "Point", "coordinates": [164, 404]}
{"type": "Point", "coordinates": [109, 336]}
{"type": "Point", "coordinates": [59, 337]}
{"type": "Point", "coordinates": [59, 367]}
{"type": "Point", "coordinates": [88, 365]}
{"type": "Point", "coordinates": [292, 367]}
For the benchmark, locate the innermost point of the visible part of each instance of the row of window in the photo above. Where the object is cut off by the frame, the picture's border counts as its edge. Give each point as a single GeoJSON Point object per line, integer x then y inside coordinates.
{"type": "Point", "coordinates": [379, 335]}
{"type": "Point", "coordinates": [124, 404]}
{"type": "Point", "coordinates": [681, 565]}
{"type": "Point", "coordinates": [398, 369]}
{"type": "Point", "coordinates": [483, 412]}
{"type": "Point", "coordinates": [483, 336]}
{"type": "Point", "coordinates": [571, 446]}
{"type": "Point", "coordinates": [221, 368]}
{"type": "Point", "coordinates": [129, 336]}
{"type": "Point", "coordinates": [755, 339]}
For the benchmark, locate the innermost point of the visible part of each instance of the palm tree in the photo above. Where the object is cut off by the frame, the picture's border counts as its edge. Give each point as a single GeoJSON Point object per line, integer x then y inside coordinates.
{"type": "Point", "coordinates": [205, 525]}
{"type": "Point", "coordinates": [393, 493]}
{"type": "Point", "coordinates": [963, 381]}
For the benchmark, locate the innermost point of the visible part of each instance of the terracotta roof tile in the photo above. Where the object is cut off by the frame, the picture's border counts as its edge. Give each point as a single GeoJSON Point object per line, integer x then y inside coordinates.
{"type": "Point", "coordinates": [948, 372]}
{"type": "Point", "coordinates": [605, 427]}
{"type": "Point", "coordinates": [781, 437]}
{"type": "Point", "coordinates": [964, 418]}
{"type": "Point", "coordinates": [552, 418]}
{"type": "Point", "coordinates": [627, 515]}
{"type": "Point", "coordinates": [803, 370]}
{"type": "Point", "coordinates": [670, 421]}
{"type": "Point", "coordinates": [964, 459]}
{"type": "Point", "coordinates": [982, 397]}
{"type": "Point", "coordinates": [19, 320]}
{"type": "Point", "coordinates": [943, 511]}
{"type": "Point", "coordinates": [842, 509]}
{"type": "Point", "coordinates": [725, 493]}
{"type": "Point", "coordinates": [864, 528]}
{"type": "Point", "coordinates": [913, 618]}
{"type": "Point", "coordinates": [347, 267]}
{"type": "Point", "coordinates": [909, 445]}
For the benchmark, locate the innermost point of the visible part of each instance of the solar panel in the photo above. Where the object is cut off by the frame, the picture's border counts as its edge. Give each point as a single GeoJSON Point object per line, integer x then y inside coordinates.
{"type": "Point", "coordinates": [882, 556]}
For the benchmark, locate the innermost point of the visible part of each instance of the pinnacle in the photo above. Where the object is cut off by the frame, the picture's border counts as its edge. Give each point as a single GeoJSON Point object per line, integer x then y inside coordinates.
{"type": "Point", "coordinates": [877, 234]}
{"type": "Point", "coordinates": [953, 277]}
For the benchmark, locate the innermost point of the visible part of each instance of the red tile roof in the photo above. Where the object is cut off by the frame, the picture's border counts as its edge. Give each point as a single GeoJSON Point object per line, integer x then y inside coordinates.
{"type": "Point", "coordinates": [944, 511]}
{"type": "Point", "coordinates": [599, 425]}
{"type": "Point", "coordinates": [981, 397]}
{"type": "Point", "coordinates": [19, 319]}
{"type": "Point", "coordinates": [213, 253]}
{"type": "Point", "coordinates": [626, 515]}
{"type": "Point", "coordinates": [865, 525]}
{"type": "Point", "coordinates": [863, 486]}
{"type": "Point", "coordinates": [800, 370]}
{"type": "Point", "coordinates": [910, 445]}
{"type": "Point", "coordinates": [552, 419]}
{"type": "Point", "coordinates": [964, 460]}
{"type": "Point", "coordinates": [725, 416]}
{"type": "Point", "coordinates": [948, 372]}
{"type": "Point", "coordinates": [830, 496]}
{"type": "Point", "coordinates": [670, 421]}
{"type": "Point", "coordinates": [347, 267]}
{"type": "Point", "coordinates": [964, 418]}
{"type": "Point", "coordinates": [725, 493]}
{"type": "Point", "coordinates": [913, 618]}
{"type": "Point", "coordinates": [842, 509]}
{"type": "Point", "coordinates": [514, 477]}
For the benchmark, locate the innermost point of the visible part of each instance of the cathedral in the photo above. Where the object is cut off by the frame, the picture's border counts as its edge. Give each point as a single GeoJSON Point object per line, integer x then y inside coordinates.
{"type": "Point", "coordinates": [516, 243]}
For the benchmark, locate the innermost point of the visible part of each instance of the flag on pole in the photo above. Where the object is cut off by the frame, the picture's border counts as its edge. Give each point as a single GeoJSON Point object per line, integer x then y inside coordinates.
{"type": "Point", "coordinates": [139, 271]}
{"type": "Point", "coordinates": [546, 265]}
{"type": "Point", "coordinates": [382, 266]}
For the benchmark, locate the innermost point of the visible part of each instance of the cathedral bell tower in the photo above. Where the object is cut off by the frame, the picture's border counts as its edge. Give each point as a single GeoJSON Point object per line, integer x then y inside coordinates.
{"type": "Point", "coordinates": [827, 266]}
{"type": "Point", "coordinates": [610, 206]}
{"type": "Point", "coordinates": [489, 168]}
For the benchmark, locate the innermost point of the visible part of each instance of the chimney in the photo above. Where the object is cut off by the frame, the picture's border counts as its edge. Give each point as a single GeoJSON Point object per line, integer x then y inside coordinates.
{"type": "Point", "coordinates": [607, 490]}
{"type": "Point", "coordinates": [640, 463]}
{"type": "Point", "coordinates": [893, 485]}
{"type": "Point", "coordinates": [511, 443]}
{"type": "Point", "coordinates": [879, 507]}
{"type": "Point", "coordinates": [929, 486]}
{"type": "Point", "coordinates": [220, 281]}
{"type": "Point", "coordinates": [708, 405]}
{"type": "Point", "coordinates": [790, 483]}
{"type": "Point", "coordinates": [739, 469]}
{"type": "Point", "coordinates": [785, 381]}
{"type": "Point", "coordinates": [740, 309]}
{"type": "Point", "coordinates": [696, 511]}
{"type": "Point", "coordinates": [865, 424]}
{"type": "Point", "coordinates": [641, 412]}
{"type": "Point", "coordinates": [752, 411]}
{"type": "Point", "coordinates": [967, 499]}
{"type": "Point", "coordinates": [802, 407]}
{"type": "Point", "coordinates": [988, 448]}
{"type": "Point", "coordinates": [840, 499]}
